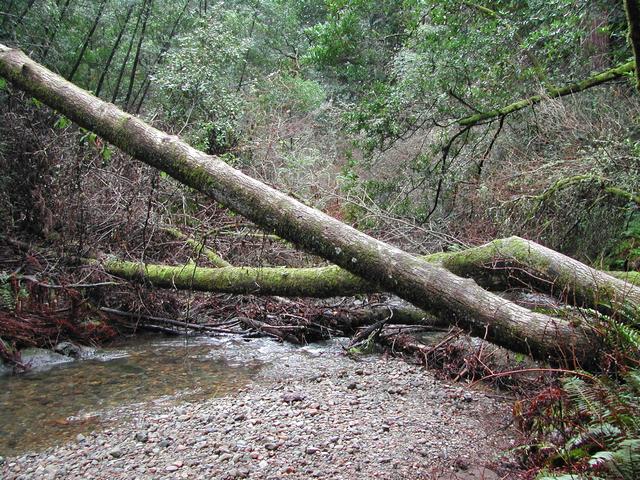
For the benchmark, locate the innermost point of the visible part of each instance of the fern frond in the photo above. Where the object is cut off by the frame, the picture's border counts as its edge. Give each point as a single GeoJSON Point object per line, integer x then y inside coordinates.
{"type": "Point", "coordinates": [624, 336]}
{"type": "Point", "coordinates": [603, 432]}
{"type": "Point", "coordinates": [585, 397]}
{"type": "Point", "coordinates": [625, 461]}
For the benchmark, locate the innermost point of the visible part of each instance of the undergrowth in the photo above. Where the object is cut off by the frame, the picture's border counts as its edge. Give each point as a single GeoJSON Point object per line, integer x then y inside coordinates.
{"type": "Point", "coordinates": [588, 426]}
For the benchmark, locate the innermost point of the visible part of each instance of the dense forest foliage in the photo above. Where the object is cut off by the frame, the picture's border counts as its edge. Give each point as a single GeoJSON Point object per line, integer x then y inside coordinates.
{"type": "Point", "coordinates": [358, 107]}
{"type": "Point", "coordinates": [432, 125]}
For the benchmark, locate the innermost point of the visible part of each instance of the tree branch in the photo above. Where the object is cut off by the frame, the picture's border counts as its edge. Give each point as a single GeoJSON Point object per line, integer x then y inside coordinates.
{"type": "Point", "coordinates": [597, 79]}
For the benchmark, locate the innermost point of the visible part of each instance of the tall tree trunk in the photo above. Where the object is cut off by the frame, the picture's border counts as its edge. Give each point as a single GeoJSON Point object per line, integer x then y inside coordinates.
{"type": "Point", "coordinates": [136, 59]}
{"type": "Point", "coordinates": [146, 81]}
{"type": "Point", "coordinates": [6, 14]}
{"type": "Point", "coordinates": [633, 19]}
{"type": "Point", "coordinates": [430, 287]}
{"type": "Point", "coordinates": [246, 54]}
{"type": "Point", "coordinates": [123, 67]}
{"type": "Point", "coordinates": [25, 11]}
{"type": "Point", "coordinates": [76, 65]}
{"type": "Point", "coordinates": [51, 38]}
{"type": "Point", "coordinates": [105, 70]}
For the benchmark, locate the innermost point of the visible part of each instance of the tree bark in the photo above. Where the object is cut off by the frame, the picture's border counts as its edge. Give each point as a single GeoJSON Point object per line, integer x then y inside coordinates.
{"type": "Point", "coordinates": [428, 286]}
{"type": "Point", "coordinates": [146, 81]}
{"type": "Point", "coordinates": [633, 21]}
{"type": "Point", "coordinates": [25, 11]}
{"type": "Point", "coordinates": [55, 30]}
{"type": "Point", "coordinates": [498, 265]}
{"type": "Point", "coordinates": [568, 182]}
{"type": "Point", "coordinates": [6, 13]}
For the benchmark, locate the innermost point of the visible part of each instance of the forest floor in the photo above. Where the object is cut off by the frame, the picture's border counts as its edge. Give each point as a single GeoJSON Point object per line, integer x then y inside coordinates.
{"type": "Point", "coordinates": [327, 417]}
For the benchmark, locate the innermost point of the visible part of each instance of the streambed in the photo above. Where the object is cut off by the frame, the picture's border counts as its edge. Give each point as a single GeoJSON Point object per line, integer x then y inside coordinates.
{"type": "Point", "coordinates": [54, 403]}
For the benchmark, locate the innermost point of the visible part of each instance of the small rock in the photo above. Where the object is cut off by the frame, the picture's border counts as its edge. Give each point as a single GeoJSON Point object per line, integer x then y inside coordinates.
{"type": "Point", "coordinates": [271, 446]}
{"type": "Point", "coordinates": [142, 437]}
{"type": "Point", "coordinates": [116, 452]}
{"type": "Point", "coordinates": [352, 386]}
{"type": "Point", "coordinates": [312, 450]}
{"type": "Point", "coordinates": [68, 349]}
{"type": "Point", "coordinates": [171, 468]}
{"type": "Point", "coordinates": [164, 443]}
{"type": "Point", "coordinates": [81, 438]}
{"type": "Point", "coordinates": [385, 460]}
{"type": "Point", "coordinates": [292, 397]}
{"type": "Point", "coordinates": [460, 464]}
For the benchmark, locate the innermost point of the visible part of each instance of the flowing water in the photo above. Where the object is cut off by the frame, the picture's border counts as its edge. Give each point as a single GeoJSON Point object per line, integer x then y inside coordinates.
{"type": "Point", "coordinates": [49, 406]}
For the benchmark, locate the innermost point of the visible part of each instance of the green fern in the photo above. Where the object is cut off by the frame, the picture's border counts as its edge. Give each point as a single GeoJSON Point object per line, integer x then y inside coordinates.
{"type": "Point", "coordinates": [613, 413]}
{"type": "Point", "coordinates": [625, 460]}
{"type": "Point", "coordinates": [7, 298]}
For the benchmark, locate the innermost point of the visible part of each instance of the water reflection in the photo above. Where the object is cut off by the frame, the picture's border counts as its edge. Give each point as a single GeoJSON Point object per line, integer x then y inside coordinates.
{"type": "Point", "coordinates": [47, 407]}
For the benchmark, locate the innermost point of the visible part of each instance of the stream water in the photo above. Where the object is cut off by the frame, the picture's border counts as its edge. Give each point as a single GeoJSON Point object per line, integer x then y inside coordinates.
{"type": "Point", "coordinates": [49, 406]}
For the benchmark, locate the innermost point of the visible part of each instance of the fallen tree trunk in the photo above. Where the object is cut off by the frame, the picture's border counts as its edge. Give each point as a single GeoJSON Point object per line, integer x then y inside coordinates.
{"type": "Point", "coordinates": [498, 265]}
{"type": "Point", "coordinates": [428, 286]}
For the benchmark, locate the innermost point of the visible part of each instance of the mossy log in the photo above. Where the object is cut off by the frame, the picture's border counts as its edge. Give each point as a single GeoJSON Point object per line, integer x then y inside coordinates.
{"type": "Point", "coordinates": [198, 247]}
{"type": "Point", "coordinates": [428, 286]}
{"type": "Point", "coordinates": [498, 265]}
{"type": "Point", "coordinates": [569, 182]}
{"type": "Point", "coordinates": [595, 80]}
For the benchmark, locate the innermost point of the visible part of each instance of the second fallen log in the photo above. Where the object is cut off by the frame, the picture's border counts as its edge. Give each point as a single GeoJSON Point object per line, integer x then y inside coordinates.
{"type": "Point", "coordinates": [498, 265]}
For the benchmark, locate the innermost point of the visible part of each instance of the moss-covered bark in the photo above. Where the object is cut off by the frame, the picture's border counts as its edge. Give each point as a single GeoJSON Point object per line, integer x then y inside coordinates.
{"type": "Point", "coordinates": [598, 79]}
{"type": "Point", "coordinates": [629, 277]}
{"type": "Point", "coordinates": [602, 182]}
{"type": "Point", "coordinates": [286, 282]}
{"type": "Point", "coordinates": [498, 265]}
{"type": "Point", "coordinates": [428, 286]}
{"type": "Point", "coordinates": [199, 248]}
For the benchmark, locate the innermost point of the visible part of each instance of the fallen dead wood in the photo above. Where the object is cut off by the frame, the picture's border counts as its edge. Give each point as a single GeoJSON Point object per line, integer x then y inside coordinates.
{"type": "Point", "coordinates": [284, 332]}
{"type": "Point", "coordinates": [499, 265]}
{"type": "Point", "coordinates": [141, 321]}
{"type": "Point", "coordinates": [198, 247]}
{"type": "Point", "coordinates": [426, 285]}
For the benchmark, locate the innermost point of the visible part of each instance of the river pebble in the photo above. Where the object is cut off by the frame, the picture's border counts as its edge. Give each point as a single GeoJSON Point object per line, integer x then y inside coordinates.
{"type": "Point", "coordinates": [328, 417]}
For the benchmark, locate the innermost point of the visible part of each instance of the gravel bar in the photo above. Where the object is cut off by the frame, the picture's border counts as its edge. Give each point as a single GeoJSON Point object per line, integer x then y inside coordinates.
{"type": "Point", "coordinates": [325, 417]}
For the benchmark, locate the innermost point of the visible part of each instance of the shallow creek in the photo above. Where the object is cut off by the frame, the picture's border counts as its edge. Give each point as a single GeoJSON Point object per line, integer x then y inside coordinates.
{"type": "Point", "coordinates": [53, 404]}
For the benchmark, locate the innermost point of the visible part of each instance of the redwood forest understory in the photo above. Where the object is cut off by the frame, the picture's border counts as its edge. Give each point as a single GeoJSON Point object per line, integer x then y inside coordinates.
{"type": "Point", "coordinates": [311, 169]}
